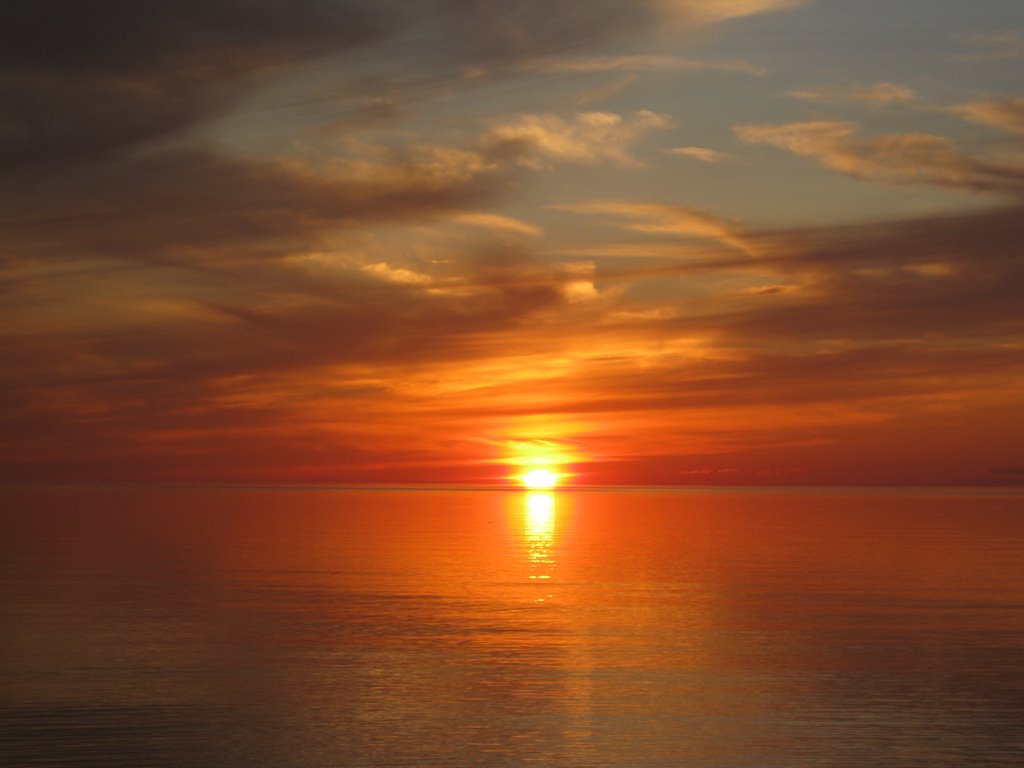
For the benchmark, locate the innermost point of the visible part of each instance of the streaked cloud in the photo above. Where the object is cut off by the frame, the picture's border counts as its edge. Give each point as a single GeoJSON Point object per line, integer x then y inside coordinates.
{"type": "Point", "coordinates": [605, 91]}
{"type": "Point", "coordinates": [1006, 45]}
{"type": "Point", "coordinates": [703, 154]}
{"type": "Point", "coordinates": [396, 274]}
{"type": "Point", "coordinates": [587, 64]}
{"type": "Point", "coordinates": [713, 11]}
{"type": "Point", "coordinates": [497, 222]}
{"type": "Point", "coordinates": [877, 94]}
{"type": "Point", "coordinates": [1005, 114]}
{"type": "Point", "coordinates": [913, 158]}
{"type": "Point", "coordinates": [661, 219]}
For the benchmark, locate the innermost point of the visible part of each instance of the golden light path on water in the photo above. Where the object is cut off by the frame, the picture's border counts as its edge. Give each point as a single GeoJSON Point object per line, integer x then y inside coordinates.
{"type": "Point", "coordinates": [539, 530]}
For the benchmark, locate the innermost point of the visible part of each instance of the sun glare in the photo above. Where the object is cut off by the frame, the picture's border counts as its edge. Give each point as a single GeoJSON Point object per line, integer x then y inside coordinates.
{"type": "Point", "coordinates": [540, 478]}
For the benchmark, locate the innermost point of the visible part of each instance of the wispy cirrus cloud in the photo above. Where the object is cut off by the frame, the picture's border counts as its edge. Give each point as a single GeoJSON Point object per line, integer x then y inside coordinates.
{"type": "Point", "coordinates": [662, 219]}
{"type": "Point", "coordinates": [704, 154]}
{"type": "Point", "coordinates": [496, 222]}
{"type": "Point", "coordinates": [1006, 45]}
{"type": "Point", "coordinates": [638, 63]}
{"type": "Point", "coordinates": [1005, 114]}
{"type": "Point", "coordinates": [878, 94]}
{"type": "Point", "coordinates": [714, 11]}
{"type": "Point", "coordinates": [911, 158]}
{"type": "Point", "coordinates": [605, 91]}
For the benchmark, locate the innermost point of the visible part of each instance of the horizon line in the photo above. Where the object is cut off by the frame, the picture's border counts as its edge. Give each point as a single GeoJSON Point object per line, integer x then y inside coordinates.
{"type": "Point", "coordinates": [398, 486]}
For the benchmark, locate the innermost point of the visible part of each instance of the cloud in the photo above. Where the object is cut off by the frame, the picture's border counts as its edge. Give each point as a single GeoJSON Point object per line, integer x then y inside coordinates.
{"type": "Point", "coordinates": [1005, 114]}
{"type": "Point", "coordinates": [496, 34]}
{"type": "Point", "coordinates": [943, 279]}
{"type": "Point", "coordinates": [662, 219]}
{"type": "Point", "coordinates": [895, 322]}
{"type": "Point", "coordinates": [996, 46]}
{"type": "Point", "coordinates": [703, 154]}
{"type": "Point", "coordinates": [715, 11]}
{"type": "Point", "coordinates": [260, 343]}
{"type": "Point", "coordinates": [200, 206]}
{"type": "Point", "coordinates": [397, 274]}
{"type": "Point", "coordinates": [586, 137]}
{"type": "Point", "coordinates": [181, 302]}
{"type": "Point", "coordinates": [605, 91]}
{"type": "Point", "coordinates": [91, 78]}
{"type": "Point", "coordinates": [497, 223]}
{"type": "Point", "coordinates": [950, 277]}
{"type": "Point", "coordinates": [878, 94]}
{"type": "Point", "coordinates": [169, 289]}
{"type": "Point", "coordinates": [912, 158]}
{"type": "Point", "coordinates": [647, 63]}
{"type": "Point", "coordinates": [1009, 471]}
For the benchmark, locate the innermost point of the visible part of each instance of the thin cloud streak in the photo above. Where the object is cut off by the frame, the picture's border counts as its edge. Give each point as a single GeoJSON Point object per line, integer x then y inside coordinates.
{"type": "Point", "coordinates": [915, 158]}
{"type": "Point", "coordinates": [879, 94]}
{"type": "Point", "coordinates": [641, 64]}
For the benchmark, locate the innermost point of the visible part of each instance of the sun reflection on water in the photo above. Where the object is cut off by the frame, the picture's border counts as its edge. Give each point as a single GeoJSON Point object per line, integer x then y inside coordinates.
{"type": "Point", "coordinates": [539, 532]}
{"type": "Point", "coordinates": [540, 516]}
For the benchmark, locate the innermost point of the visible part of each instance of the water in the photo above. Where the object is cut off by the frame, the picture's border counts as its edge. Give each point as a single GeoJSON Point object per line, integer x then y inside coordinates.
{"type": "Point", "coordinates": [308, 628]}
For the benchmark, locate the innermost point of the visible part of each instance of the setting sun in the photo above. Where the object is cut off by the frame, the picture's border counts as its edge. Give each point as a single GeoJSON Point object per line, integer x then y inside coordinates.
{"type": "Point", "coordinates": [540, 478]}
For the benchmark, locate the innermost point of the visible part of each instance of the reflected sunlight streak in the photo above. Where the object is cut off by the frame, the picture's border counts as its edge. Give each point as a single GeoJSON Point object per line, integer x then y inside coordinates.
{"type": "Point", "coordinates": [540, 515]}
{"type": "Point", "coordinates": [539, 530]}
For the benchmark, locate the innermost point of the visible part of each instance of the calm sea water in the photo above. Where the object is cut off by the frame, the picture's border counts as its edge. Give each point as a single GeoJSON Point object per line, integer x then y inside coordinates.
{"type": "Point", "coordinates": [308, 628]}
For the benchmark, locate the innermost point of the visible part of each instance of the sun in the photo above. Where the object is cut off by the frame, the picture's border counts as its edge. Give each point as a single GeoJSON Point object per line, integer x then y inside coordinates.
{"type": "Point", "coordinates": [540, 478]}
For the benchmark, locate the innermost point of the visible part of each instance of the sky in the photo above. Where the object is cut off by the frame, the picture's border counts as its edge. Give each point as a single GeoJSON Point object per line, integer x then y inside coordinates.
{"type": "Point", "coordinates": [693, 242]}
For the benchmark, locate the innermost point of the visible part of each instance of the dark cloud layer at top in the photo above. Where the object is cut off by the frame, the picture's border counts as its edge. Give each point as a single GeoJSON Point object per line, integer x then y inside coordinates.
{"type": "Point", "coordinates": [81, 78]}
{"type": "Point", "coordinates": [200, 37]}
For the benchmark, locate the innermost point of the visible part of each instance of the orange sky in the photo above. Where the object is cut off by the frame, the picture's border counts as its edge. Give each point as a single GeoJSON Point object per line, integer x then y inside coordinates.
{"type": "Point", "coordinates": [643, 242]}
